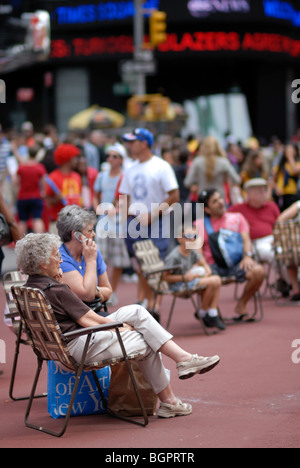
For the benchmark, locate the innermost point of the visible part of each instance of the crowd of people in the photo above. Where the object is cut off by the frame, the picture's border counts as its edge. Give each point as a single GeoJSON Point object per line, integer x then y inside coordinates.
{"type": "Point", "coordinates": [41, 173]}
{"type": "Point", "coordinates": [71, 193]}
{"type": "Point", "coordinates": [245, 188]}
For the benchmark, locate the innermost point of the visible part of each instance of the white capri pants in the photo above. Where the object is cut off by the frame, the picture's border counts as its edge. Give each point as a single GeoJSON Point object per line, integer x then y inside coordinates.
{"type": "Point", "coordinates": [147, 338]}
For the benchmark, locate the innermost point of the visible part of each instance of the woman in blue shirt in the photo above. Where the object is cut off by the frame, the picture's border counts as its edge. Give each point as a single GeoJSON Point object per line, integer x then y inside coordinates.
{"type": "Point", "coordinates": [83, 267]}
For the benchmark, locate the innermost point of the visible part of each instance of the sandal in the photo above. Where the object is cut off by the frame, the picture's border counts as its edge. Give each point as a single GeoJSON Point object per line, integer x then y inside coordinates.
{"type": "Point", "coordinates": [240, 318]}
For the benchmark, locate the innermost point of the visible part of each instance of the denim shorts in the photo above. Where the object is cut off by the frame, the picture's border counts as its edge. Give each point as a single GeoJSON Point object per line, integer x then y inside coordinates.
{"type": "Point", "coordinates": [236, 271]}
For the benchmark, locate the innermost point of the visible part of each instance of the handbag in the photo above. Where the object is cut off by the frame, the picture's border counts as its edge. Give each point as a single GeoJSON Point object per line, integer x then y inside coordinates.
{"type": "Point", "coordinates": [121, 395]}
{"type": "Point", "coordinates": [227, 247]}
{"type": "Point", "coordinates": [98, 306]}
{"type": "Point", "coordinates": [5, 234]}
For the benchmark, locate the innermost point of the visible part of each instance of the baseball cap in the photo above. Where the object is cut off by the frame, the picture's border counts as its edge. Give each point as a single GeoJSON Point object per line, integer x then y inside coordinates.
{"type": "Point", "coordinates": [141, 134]}
{"type": "Point", "coordinates": [64, 153]}
{"type": "Point", "coordinates": [256, 182]}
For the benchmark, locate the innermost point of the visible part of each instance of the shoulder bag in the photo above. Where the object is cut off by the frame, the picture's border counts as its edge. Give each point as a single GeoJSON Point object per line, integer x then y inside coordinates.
{"type": "Point", "coordinates": [227, 247]}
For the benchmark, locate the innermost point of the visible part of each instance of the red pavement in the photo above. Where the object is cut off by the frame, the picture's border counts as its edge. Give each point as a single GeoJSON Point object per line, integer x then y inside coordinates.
{"type": "Point", "coordinates": [252, 399]}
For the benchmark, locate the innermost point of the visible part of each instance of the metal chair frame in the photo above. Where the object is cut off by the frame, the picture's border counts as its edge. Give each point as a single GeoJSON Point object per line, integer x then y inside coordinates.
{"type": "Point", "coordinates": [50, 344]}
{"type": "Point", "coordinates": [9, 279]}
{"type": "Point", "coordinates": [258, 312]}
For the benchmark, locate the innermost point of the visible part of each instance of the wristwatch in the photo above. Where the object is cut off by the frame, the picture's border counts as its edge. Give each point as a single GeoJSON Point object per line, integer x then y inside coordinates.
{"type": "Point", "coordinates": [248, 254]}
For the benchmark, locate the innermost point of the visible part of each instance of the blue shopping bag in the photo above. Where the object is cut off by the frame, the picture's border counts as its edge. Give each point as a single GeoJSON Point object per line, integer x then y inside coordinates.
{"type": "Point", "coordinates": [87, 400]}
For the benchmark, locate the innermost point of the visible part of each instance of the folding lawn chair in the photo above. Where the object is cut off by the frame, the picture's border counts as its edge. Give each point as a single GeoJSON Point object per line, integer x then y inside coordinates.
{"type": "Point", "coordinates": [15, 278]}
{"type": "Point", "coordinates": [50, 344]}
{"type": "Point", "coordinates": [153, 268]}
{"type": "Point", "coordinates": [287, 252]}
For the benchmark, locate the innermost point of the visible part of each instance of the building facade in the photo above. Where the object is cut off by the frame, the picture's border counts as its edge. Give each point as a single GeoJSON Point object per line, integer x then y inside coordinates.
{"type": "Point", "coordinates": [212, 47]}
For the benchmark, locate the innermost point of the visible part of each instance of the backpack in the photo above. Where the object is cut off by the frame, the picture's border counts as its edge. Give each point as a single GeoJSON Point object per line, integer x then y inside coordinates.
{"type": "Point", "coordinates": [227, 247]}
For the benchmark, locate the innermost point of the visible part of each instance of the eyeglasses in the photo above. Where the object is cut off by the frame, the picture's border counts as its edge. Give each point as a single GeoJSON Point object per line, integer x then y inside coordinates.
{"type": "Point", "coordinates": [57, 257]}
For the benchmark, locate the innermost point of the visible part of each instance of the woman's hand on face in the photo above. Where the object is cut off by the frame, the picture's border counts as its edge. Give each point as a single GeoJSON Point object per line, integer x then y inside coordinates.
{"type": "Point", "coordinates": [89, 250]}
{"type": "Point", "coordinates": [59, 276]}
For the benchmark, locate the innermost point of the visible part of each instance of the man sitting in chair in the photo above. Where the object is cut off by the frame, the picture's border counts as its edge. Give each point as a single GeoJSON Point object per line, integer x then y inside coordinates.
{"type": "Point", "coordinates": [38, 256]}
{"type": "Point", "coordinates": [245, 268]}
{"type": "Point", "coordinates": [261, 215]}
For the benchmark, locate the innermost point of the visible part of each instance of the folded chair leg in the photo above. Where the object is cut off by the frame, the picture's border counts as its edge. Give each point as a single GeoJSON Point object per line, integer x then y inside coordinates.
{"type": "Point", "coordinates": [14, 369]}
{"type": "Point", "coordinates": [258, 308]}
{"type": "Point", "coordinates": [103, 399]}
{"type": "Point", "coordinates": [171, 313]}
{"type": "Point", "coordinates": [257, 315]}
{"type": "Point", "coordinates": [35, 382]}
{"type": "Point", "coordinates": [67, 417]}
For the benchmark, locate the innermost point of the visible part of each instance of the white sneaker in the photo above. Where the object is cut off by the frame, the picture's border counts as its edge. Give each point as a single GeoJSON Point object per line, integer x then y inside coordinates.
{"type": "Point", "coordinates": [197, 365]}
{"type": "Point", "coordinates": [130, 278]}
{"type": "Point", "coordinates": [171, 411]}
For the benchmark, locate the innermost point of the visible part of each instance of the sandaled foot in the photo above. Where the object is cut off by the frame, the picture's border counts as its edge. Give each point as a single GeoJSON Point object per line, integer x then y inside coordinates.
{"type": "Point", "coordinates": [171, 411]}
{"type": "Point", "coordinates": [240, 318]}
{"type": "Point", "coordinates": [197, 365]}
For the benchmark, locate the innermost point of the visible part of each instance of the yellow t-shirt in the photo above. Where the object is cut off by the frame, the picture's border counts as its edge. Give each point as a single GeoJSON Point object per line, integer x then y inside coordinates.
{"type": "Point", "coordinates": [291, 187]}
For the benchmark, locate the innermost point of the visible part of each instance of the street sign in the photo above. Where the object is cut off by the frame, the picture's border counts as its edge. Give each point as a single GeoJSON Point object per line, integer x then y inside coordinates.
{"type": "Point", "coordinates": [143, 55]}
{"type": "Point", "coordinates": [121, 89]}
{"type": "Point", "coordinates": [129, 67]}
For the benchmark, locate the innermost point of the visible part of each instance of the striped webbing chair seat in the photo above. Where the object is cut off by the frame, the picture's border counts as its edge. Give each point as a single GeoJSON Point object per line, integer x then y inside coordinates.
{"type": "Point", "coordinates": [287, 242]}
{"type": "Point", "coordinates": [45, 333]}
{"type": "Point", "coordinates": [9, 279]}
{"type": "Point", "coordinates": [286, 246]}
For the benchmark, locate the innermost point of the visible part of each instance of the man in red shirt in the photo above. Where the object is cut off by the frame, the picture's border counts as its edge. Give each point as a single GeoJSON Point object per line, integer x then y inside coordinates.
{"type": "Point", "coordinates": [261, 215]}
{"type": "Point", "coordinates": [64, 184]}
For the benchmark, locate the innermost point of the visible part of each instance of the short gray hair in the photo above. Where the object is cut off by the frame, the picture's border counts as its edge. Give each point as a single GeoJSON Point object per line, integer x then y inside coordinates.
{"type": "Point", "coordinates": [73, 218]}
{"type": "Point", "coordinates": [35, 249]}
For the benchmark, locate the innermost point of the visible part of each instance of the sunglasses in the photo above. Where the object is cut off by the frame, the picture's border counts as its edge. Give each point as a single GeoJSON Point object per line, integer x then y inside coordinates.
{"type": "Point", "coordinates": [190, 236]}
{"type": "Point", "coordinates": [114, 156]}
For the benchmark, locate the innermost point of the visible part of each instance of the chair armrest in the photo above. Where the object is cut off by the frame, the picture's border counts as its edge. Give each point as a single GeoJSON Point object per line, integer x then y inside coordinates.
{"type": "Point", "coordinates": [12, 315]}
{"type": "Point", "coordinates": [163, 270]}
{"type": "Point", "coordinates": [88, 331]}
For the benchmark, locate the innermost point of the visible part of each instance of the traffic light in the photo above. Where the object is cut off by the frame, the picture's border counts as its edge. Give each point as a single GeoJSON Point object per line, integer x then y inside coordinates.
{"type": "Point", "coordinates": [158, 27]}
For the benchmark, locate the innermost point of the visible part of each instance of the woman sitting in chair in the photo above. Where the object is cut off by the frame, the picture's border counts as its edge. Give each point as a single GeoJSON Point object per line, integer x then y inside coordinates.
{"type": "Point", "coordinates": [38, 256]}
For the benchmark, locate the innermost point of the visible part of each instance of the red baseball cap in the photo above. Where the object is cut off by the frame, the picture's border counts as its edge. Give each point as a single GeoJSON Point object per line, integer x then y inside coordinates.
{"type": "Point", "coordinates": [64, 153]}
